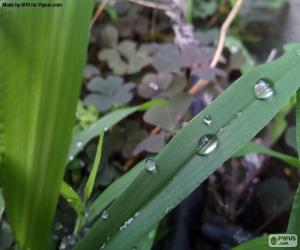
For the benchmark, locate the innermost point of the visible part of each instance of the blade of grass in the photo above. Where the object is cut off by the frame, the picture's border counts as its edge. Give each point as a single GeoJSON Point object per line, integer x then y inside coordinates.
{"type": "Point", "coordinates": [294, 222]}
{"type": "Point", "coordinates": [260, 243]}
{"type": "Point", "coordinates": [180, 169]}
{"type": "Point", "coordinates": [253, 148]}
{"type": "Point", "coordinates": [91, 180]}
{"type": "Point", "coordinates": [42, 58]}
{"type": "Point", "coordinates": [107, 121]}
{"type": "Point", "coordinates": [72, 197]}
{"type": "Point", "coordinates": [112, 192]}
{"type": "Point", "coordinates": [298, 122]}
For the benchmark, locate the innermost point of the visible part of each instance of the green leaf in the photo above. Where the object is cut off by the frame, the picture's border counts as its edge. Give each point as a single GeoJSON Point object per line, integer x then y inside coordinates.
{"type": "Point", "coordinates": [260, 243]}
{"type": "Point", "coordinates": [71, 197]}
{"type": "Point", "coordinates": [43, 52]}
{"type": "Point", "coordinates": [298, 123]}
{"type": "Point", "coordinates": [107, 121]}
{"type": "Point", "coordinates": [180, 169]}
{"type": "Point", "coordinates": [294, 222]}
{"type": "Point", "coordinates": [91, 180]}
{"type": "Point", "coordinates": [253, 148]}
{"type": "Point", "coordinates": [112, 193]}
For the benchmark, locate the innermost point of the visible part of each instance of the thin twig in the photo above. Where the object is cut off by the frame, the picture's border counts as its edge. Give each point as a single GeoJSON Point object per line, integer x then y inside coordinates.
{"type": "Point", "coordinates": [99, 11]}
{"type": "Point", "coordinates": [225, 26]}
{"type": "Point", "coordinates": [153, 5]}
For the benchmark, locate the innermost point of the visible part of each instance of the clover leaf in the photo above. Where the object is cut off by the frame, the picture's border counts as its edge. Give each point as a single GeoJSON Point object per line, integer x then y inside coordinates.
{"type": "Point", "coordinates": [108, 92]}
{"type": "Point", "coordinates": [161, 85]}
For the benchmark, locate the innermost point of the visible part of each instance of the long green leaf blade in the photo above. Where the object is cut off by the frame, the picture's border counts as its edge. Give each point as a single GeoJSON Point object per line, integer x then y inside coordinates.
{"type": "Point", "coordinates": [42, 56]}
{"type": "Point", "coordinates": [294, 222]}
{"type": "Point", "coordinates": [180, 169]}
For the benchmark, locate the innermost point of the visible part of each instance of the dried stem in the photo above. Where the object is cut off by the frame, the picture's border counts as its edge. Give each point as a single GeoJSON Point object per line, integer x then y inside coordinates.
{"type": "Point", "coordinates": [153, 5]}
{"type": "Point", "coordinates": [99, 11]}
{"type": "Point", "coordinates": [225, 26]}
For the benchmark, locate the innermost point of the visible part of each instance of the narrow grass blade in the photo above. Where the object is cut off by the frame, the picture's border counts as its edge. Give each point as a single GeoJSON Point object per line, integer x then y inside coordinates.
{"type": "Point", "coordinates": [298, 122]}
{"type": "Point", "coordinates": [253, 148]}
{"type": "Point", "coordinates": [237, 113]}
{"type": "Point", "coordinates": [294, 222]}
{"type": "Point", "coordinates": [72, 197]}
{"type": "Point", "coordinates": [260, 243]}
{"type": "Point", "coordinates": [107, 121]}
{"type": "Point", "coordinates": [91, 180]}
{"type": "Point", "coordinates": [42, 52]}
{"type": "Point", "coordinates": [112, 192]}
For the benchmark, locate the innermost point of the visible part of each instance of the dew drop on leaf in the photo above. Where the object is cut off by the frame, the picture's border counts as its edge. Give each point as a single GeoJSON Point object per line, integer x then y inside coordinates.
{"type": "Point", "coordinates": [79, 144]}
{"type": "Point", "coordinates": [207, 144]}
{"type": "Point", "coordinates": [105, 129]}
{"type": "Point", "coordinates": [207, 120]}
{"type": "Point", "coordinates": [263, 89]}
{"type": "Point", "coordinates": [150, 165]}
{"type": "Point", "coordinates": [104, 214]}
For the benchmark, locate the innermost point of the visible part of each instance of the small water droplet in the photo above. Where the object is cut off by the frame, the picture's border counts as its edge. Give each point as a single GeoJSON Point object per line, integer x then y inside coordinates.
{"type": "Point", "coordinates": [207, 144]}
{"type": "Point", "coordinates": [102, 247]}
{"type": "Point", "coordinates": [71, 240]}
{"type": "Point", "coordinates": [63, 245]}
{"type": "Point", "coordinates": [263, 89]}
{"type": "Point", "coordinates": [79, 144]}
{"type": "Point", "coordinates": [154, 86]}
{"type": "Point", "coordinates": [104, 214]}
{"type": "Point", "coordinates": [150, 165]}
{"type": "Point", "coordinates": [71, 158]}
{"type": "Point", "coordinates": [105, 129]}
{"type": "Point", "coordinates": [207, 120]}
{"type": "Point", "coordinates": [58, 226]}
{"type": "Point", "coordinates": [168, 209]}
{"type": "Point", "coordinates": [239, 114]}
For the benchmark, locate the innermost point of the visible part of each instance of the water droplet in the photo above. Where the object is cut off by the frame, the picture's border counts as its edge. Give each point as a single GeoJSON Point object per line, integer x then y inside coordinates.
{"type": "Point", "coordinates": [104, 214]}
{"type": "Point", "coordinates": [168, 209]}
{"type": "Point", "coordinates": [102, 247]}
{"type": "Point", "coordinates": [105, 129]}
{"type": "Point", "coordinates": [71, 158]}
{"type": "Point", "coordinates": [298, 52]}
{"type": "Point", "coordinates": [207, 144]}
{"type": "Point", "coordinates": [239, 113]}
{"type": "Point", "coordinates": [71, 240]}
{"type": "Point", "coordinates": [58, 226]}
{"type": "Point", "coordinates": [207, 120]}
{"type": "Point", "coordinates": [79, 144]}
{"type": "Point", "coordinates": [150, 165]}
{"type": "Point", "coordinates": [63, 245]}
{"type": "Point", "coordinates": [154, 86]}
{"type": "Point", "coordinates": [263, 89]}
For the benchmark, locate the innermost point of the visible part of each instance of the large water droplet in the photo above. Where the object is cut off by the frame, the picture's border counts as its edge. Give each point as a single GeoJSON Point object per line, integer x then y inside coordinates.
{"type": "Point", "coordinates": [104, 214]}
{"type": "Point", "coordinates": [263, 89]}
{"type": "Point", "coordinates": [207, 144]}
{"type": "Point", "coordinates": [150, 165]}
{"type": "Point", "coordinates": [207, 120]}
{"type": "Point", "coordinates": [153, 86]}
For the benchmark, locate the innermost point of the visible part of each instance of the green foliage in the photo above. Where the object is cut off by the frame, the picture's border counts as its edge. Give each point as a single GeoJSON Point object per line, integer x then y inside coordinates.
{"type": "Point", "coordinates": [180, 169]}
{"type": "Point", "coordinates": [36, 73]}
